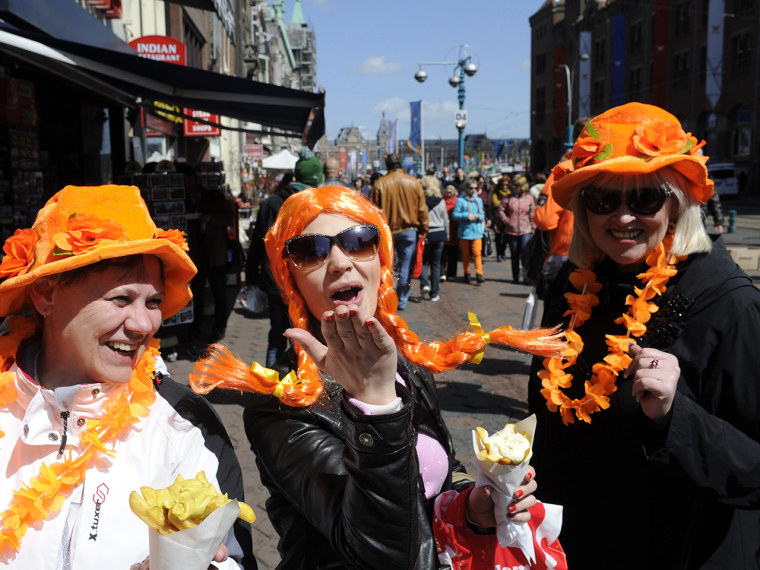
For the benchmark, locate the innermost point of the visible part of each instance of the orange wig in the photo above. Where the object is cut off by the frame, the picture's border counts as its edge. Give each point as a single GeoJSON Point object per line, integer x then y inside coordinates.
{"type": "Point", "coordinates": [220, 368]}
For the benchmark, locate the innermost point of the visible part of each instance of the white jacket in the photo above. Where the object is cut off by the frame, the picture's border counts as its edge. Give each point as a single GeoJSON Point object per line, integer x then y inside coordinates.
{"type": "Point", "coordinates": [96, 528]}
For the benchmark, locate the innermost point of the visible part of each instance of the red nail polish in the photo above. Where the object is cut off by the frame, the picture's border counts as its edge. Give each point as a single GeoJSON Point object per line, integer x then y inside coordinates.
{"type": "Point", "coordinates": [529, 476]}
{"type": "Point", "coordinates": [329, 317]}
{"type": "Point", "coordinates": [371, 323]}
{"type": "Point", "coordinates": [352, 312]}
{"type": "Point", "coordinates": [512, 508]}
{"type": "Point", "coordinates": [518, 493]}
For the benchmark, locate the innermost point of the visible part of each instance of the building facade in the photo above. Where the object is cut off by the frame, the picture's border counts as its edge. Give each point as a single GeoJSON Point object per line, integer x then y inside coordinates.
{"type": "Point", "coordinates": [696, 58]}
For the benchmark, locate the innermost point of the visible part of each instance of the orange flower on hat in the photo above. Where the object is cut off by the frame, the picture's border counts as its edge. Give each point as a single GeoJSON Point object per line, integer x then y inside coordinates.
{"type": "Point", "coordinates": [19, 253]}
{"type": "Point", "coordinates": [175, 236]}
{"type": "Point", "coordinates": [585, 150]}
{"type": "Point", "coordinates": [657, 138]}
{"type": "Point", "coordinates": [84, 232]}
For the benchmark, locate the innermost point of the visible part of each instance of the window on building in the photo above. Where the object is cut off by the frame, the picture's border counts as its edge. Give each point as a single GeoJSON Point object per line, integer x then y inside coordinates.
{"type": "Point", "coordinates": [741, 132]}
{"type": "Point", "coordinates": [681, 70]}
{"type": "Point", "coordinates": [194, 43]}
{"type": "Point", "coordinates": [598, 103]}
{"type": "Point", "coordinates": [682, 18]}
{"type": "Point", "coordinates": [600, 53]}
{"type": "Point", "coordinates": [540, 108]}
{"type": "Point", "coordinates": [540, 63]}
{"type": "Point", "coordinates": [636, 33]}
{"type": "Point", "coordinates": [634, 83]}
{"type": "Point", "coordinates": [741, 52]}
{"type": "Point", "coordinates": [743, 5]}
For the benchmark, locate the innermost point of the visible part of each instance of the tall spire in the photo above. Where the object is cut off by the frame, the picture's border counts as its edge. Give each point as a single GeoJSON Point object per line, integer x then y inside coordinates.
{"type": "Point", "coordinates": [297, 17]}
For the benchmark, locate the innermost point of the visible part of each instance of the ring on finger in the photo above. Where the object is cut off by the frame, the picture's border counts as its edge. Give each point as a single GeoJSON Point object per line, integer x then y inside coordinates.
{"type": "Point", "coordinates": [655, 363]}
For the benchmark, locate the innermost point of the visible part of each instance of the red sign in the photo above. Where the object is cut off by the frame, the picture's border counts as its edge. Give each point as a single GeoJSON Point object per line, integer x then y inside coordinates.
{"type": "Point", "coordinates": [160, 48]}
{"type": "Point", "coordinates": [197, 129]}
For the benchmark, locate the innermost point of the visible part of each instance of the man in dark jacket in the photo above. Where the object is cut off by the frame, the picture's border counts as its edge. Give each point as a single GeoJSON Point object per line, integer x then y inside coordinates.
{"type": "Point", "coordinates": [307, 174]}
{"type": "Point", "coordinates": [401, 198]}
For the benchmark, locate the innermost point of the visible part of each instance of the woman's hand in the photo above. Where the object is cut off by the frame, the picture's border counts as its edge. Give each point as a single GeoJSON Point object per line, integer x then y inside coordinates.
{"type": "Point", "coordinates": [480, 503]}
{"type": "Point", "coordinates": [655, 377]}
{"type": "Point", "coordinates": [361, 356]}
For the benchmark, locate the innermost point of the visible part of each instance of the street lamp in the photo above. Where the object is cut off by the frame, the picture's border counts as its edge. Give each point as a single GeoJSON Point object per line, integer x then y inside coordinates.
{"type": "Point", "coordinates": [569, 83]}
{"type": "Point", "coordinates": [465, 66]}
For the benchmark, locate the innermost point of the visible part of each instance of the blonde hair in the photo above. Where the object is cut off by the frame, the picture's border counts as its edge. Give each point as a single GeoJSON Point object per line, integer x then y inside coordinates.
{"type": "Point", "coordinates": [297, 212]}
{"type": "Point", "coordinates": [689, 235]}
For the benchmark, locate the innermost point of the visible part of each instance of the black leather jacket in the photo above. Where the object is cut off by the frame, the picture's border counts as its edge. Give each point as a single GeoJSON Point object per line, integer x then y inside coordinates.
{"type": "Point", "coordinates": [345, 487]}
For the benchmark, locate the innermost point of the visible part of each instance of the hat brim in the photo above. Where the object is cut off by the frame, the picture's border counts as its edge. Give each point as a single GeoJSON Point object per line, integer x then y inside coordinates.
{"type": "Point", "coordinates": [178, 272]}
{"type": "Point", "coordinates": [692, 168]}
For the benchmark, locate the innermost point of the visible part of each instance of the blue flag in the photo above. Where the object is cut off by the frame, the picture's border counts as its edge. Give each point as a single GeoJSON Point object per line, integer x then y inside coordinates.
{"type": "Point", "coordinates": [415, 133]}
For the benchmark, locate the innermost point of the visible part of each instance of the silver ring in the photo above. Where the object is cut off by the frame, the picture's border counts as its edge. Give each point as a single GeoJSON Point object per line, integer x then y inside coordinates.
{"type": "Point", "coordinates": [655, 363]}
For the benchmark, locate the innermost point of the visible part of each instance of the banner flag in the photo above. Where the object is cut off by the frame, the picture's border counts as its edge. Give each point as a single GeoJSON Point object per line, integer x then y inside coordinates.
{"type": "Point", "coordinates": [390, 145]}
{"type": "Point", "coordinates": [415, 133]}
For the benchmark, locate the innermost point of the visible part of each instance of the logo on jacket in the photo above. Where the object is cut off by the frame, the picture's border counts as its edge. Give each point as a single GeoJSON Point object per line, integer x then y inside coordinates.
{"type": "Point", "coordinates": [99, 497]}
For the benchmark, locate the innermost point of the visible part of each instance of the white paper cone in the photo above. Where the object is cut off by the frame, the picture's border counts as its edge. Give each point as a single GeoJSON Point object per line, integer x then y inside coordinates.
{"type": "Point", "coordinates": [193, 548]}
{"type": "Point", "coordinates": [506, 479]}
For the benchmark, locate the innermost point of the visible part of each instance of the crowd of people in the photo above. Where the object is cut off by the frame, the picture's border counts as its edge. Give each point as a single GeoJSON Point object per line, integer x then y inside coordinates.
{"type": "Point", "coordinates": [647, 430]}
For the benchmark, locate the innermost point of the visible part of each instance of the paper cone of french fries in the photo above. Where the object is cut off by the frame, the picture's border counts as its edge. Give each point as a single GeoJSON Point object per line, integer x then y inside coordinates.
{"type": "Point", "coordinates": [192, 548]}
{"type": "Point", "coordinates": [505, 479]}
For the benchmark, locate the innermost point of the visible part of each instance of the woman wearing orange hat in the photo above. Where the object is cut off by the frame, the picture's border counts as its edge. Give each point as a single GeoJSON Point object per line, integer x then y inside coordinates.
{"type": "Point", "coordinates": [648, 430]}
{"type": "Point", "coordinates": [86, 416]}
{"type": "Point", "coordinates": [352, 472]}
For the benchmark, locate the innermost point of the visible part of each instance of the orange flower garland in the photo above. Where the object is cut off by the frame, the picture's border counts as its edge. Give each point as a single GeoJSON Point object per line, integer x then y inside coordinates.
{"type": "Point", "coordinates": [47, 491]}
{"type": "Point", "coordinates": [604, 374]}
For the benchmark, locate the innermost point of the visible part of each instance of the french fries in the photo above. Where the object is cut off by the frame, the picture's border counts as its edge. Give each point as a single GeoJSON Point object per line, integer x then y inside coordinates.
{"type": "Point", "coordinates": [184, 504]}
{"type": "Point", "coordinates": [505, 446]}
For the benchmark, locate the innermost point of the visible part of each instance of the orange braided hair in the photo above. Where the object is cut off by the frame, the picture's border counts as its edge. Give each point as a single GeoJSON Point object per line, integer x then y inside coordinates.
{"type": "Point", "coordinates": [220, 369]}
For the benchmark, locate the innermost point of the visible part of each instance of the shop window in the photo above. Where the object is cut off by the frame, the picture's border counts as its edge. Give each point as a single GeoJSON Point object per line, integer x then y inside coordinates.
{"type": "Point", "coordinates": [540, 106]}
{"type": "Point", "coordinates": [741, 53]}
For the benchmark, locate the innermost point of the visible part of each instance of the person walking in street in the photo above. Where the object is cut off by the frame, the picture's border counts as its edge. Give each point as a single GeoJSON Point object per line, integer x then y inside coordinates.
{"type": "Point", "coordinates": [516, 216]}
{"type": "Point", "coordinates": [308, 174]}
{"type": "Point", "coordinates": [451, 252]}
{"type": "Point", "coordinates": [351, 443]}
{"type": "Point", "coordinates": [470, 215]}
{"type": "Point", "coordinates": [332, 174]}
{"type": "Point", "coordinates": [499, 192]}
{"type": "Point", "coordinates": [648, 431]}
{"type": "Point", "coordinates": [438, 233]}
{"type": "Point", "coordinates": [401, 197]}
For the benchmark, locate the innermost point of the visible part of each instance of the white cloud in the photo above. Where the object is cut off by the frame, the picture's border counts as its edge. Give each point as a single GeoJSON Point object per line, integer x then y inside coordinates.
{"type": "Point", "coordinates": [394, 108]}
{"type": "Point", "coordinates": [525, 64]}
{"type": "Point", "coordinates": [377, 65]}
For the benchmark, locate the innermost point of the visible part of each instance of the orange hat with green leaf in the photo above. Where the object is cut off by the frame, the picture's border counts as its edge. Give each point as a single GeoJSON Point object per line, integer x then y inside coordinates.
{"type": "Point", "coordinates": [83, 225]}
{"type": "Point", "coordinates": [632, 139]}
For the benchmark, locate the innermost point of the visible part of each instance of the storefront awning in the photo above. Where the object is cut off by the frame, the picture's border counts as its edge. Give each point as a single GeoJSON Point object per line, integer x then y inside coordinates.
{"type": "Point", "coordinates": [141, 81]}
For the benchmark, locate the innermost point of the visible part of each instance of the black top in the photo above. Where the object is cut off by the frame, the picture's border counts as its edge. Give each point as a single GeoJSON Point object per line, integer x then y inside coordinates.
{"type": "Point", "coordinates": [683, 492]}
{"type": "Point", "coordinates": [345, 487]}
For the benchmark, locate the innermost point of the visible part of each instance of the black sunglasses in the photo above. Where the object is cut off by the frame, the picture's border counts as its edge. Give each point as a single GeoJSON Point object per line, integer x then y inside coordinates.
{"type": "Point", "coordinates": [309, 251]}
{"type": "Point", "coordinates": [641, 201]}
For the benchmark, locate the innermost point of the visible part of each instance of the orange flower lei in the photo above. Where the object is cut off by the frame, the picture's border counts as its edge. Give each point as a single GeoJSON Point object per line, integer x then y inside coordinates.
{"type": "Point", "coordinates": [554, 376]}
{"type": "Point", "coordinates": [46, 492]}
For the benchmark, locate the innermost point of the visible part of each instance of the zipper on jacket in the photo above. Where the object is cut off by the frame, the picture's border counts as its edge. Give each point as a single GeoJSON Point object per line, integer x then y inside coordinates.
{"type": "Point", "coordinates": [65, 417]}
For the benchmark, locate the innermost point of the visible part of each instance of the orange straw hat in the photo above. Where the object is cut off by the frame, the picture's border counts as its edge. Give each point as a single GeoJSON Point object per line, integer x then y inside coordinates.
{"type": "Point", "coordinates": [628, 140]}
{"type": "Point", "coordinates": [82, 225]}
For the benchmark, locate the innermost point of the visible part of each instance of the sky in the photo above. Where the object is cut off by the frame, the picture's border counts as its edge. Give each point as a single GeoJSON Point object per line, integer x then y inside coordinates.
{"type": "Point", "coordinates": [368, 53]}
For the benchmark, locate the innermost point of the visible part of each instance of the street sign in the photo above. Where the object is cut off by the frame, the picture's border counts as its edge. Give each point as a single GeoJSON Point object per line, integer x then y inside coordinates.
{"type": "Point", "coordinates": [460, 115]}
